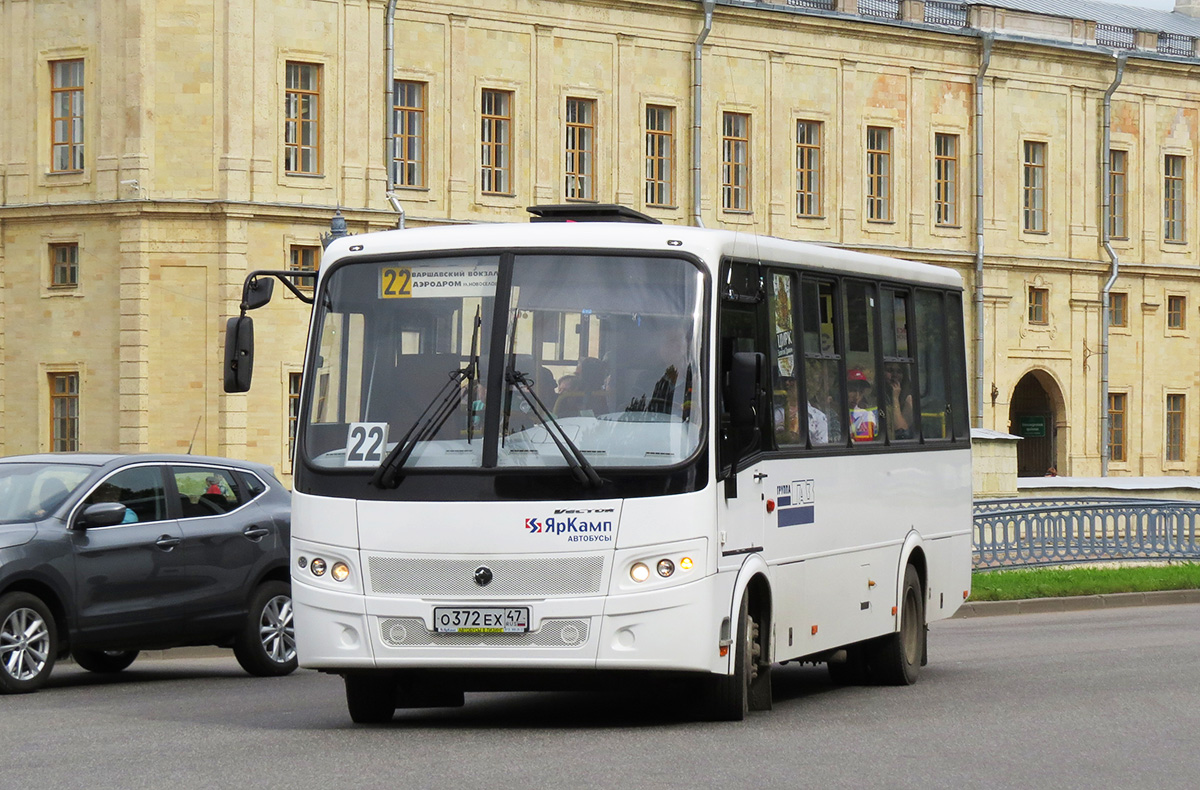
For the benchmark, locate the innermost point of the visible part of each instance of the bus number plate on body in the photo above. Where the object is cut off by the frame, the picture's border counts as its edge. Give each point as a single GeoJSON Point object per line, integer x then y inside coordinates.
{"type": "Point", "coordinates": [481, 620]}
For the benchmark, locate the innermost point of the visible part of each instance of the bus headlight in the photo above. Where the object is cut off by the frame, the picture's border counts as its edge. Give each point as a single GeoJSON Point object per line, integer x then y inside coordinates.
{"type": "Point", "coordinates": [639, 572]}
{"type": "Point", "coordinates": [317, 566]}
{"type": "Point", "coordinates": [340, 572]}
{"type": "Point", "coordinates": [665, 568]}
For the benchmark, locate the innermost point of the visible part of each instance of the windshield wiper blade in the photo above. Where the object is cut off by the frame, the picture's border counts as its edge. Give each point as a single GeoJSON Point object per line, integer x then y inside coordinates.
{"type": "Point", "coordinates": [472, 372]}
{"type": "Point", "coordinates": [424, 428]}
{"type": "Point", "coordinates": [578, 463]}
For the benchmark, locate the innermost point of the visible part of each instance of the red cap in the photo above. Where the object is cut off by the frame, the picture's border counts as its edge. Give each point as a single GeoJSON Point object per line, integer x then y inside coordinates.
{"type": "Point", "coordinates": [856, 374]}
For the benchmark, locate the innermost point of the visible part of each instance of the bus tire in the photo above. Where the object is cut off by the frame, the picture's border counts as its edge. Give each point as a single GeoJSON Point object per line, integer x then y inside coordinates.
{"type": "Point", "coordinates": [731, 697]}
{"type": "Point", "coordinates": [371, 698]}
{"type": "Point", "coordinates": [852, 671]}
{"type": "Point", "coordinates": [896, 659]}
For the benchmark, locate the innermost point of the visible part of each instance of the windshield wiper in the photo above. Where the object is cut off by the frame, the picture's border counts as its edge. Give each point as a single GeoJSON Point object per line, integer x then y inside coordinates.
{"type": "Point", "coordinates": [472, 372]}
{"type": "Point", "coordinates": [424, 428]}
{"type": "Point", "coordinates": [580, 466]}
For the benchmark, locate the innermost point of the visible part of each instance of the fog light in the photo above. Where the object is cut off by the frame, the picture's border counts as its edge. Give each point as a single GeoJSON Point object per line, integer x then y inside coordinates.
{"type": "Point", "coordinates": [340, 572]}
{"type": "Point", "coordinates": [639, 572]}
{"type": "Point", "coordinates": [317, 566]}
{"type": "Point", "coordinates": [685, 564]}
{"type": "Point", "coordinates": [665, 568]}
{"type": "Point", "coordinates": [302, 562]}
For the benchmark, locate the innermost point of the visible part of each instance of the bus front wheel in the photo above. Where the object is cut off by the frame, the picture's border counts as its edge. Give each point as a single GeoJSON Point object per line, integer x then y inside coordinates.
{"type": "Point", "coordinates": [371, 698]}
{"type": "Point", "coordinates": [731, 697]}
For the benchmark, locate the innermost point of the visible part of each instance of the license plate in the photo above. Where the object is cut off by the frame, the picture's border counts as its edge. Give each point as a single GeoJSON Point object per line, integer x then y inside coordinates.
{"type": "Point", "coordinates": [481, 620]}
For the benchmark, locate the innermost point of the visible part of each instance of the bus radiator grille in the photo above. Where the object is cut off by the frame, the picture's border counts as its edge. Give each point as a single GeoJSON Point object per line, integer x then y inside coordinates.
{"type": "Point", "coordinates": [411, 632]}
{"type": "Point", "coordinates": [561, 575]}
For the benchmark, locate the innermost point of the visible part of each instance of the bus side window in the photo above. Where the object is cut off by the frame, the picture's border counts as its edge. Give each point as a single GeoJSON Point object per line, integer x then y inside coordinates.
{"type": "Point", "coordinates": [958, 366]}
{"type": "Point", "coordinates": [897, 391]}
{"type": "Point", "coordinates": [824, 388]}
{"type": "Point", "coordinates": [863, 378]}
{"type": "Point", "coordinates": [784, 385]}
{"type": "Point", "coordinates": [743, 322]}
{"type": "Point", "coordinates": [931, 368]}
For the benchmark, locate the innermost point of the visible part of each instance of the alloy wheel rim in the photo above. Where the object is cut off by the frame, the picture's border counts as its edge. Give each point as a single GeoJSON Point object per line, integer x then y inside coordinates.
{"type": "Point", "coordinates": [276, 631]}
{"type": "Point", "coordinates": [24, 644]}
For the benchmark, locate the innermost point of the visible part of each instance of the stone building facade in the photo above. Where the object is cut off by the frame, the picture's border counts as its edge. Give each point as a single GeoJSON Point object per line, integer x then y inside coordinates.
{"type": "Point", "coordinates": [152, 152]}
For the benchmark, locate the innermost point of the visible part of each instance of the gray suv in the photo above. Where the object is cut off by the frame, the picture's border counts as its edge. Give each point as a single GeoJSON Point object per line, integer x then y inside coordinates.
{"type": "Point", "coordinates": [102, 556]}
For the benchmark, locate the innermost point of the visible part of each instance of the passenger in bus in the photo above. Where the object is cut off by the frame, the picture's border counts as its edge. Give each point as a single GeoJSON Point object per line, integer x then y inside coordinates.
{"type": "Point", "coordinates": [823, 424]}
{"type": "Point", "coordinates": [585, 395]}
{"type": "Point", "coordinates": [897, 389]}
{"type": "Point", "coordinates": [666, 388]}
{"type": "Point", "coordinates": [864, 416]}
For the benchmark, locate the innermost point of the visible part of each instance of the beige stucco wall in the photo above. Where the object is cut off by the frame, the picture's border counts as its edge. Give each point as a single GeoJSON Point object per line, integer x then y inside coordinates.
{"type": "Point", "coordinates": [185, 98]}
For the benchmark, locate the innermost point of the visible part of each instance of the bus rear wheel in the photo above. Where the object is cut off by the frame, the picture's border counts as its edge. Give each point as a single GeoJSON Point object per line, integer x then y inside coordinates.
{"type": "Point", "coordinates": [896, 659]}
{"type": "Point", "coordinates": [371, 698]}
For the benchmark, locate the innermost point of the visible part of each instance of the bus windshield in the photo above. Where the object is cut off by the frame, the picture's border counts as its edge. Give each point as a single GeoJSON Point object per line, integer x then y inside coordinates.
{"type": "Point", "coordinates": [601, 350]}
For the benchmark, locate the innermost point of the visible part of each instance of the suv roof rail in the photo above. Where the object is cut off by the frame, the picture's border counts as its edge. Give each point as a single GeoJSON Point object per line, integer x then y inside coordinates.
{"type": "Point", "coordinates": [589, 212]}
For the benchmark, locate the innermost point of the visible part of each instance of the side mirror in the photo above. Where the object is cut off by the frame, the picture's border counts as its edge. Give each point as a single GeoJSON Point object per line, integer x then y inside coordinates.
{"type": "Point", "coordinates": [101, 514]}
{"type": "Point", "coordinates": [257, 291]}
{"type": "Point", "coordinates": [746, 388]}
{"type": "Point", "coordinates": [239, 353]}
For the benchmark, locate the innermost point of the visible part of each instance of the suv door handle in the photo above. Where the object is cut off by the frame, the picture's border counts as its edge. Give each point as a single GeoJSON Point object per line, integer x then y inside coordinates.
{"type": "Point", "coordinates": [256, 533]}
{"type": "Point", "coordinates": [166, 542]}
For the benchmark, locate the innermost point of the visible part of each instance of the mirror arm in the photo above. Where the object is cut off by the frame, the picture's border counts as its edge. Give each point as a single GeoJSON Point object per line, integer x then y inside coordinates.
{"type": "Point", "coordinates": [285, 276]}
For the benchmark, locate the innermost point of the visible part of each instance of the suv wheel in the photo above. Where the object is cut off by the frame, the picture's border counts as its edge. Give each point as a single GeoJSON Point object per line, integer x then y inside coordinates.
{"type": "Point", "coordinates": [28, 643]}
{"type": "Point", "coordinates": [104, 661]}
{"type": "Point", "coordinates": [266, 645]}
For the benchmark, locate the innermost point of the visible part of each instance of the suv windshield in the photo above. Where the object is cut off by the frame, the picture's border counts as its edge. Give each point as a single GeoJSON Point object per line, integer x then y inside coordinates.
{"type": "Point", "coordinates": [31, 491]}
{"type": "Point", "coordinates": [407, 355]}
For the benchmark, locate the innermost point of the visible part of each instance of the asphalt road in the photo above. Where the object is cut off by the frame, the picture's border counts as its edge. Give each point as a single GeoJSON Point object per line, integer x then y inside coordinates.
{"type": "Point", "coordinates": [1094, 699]}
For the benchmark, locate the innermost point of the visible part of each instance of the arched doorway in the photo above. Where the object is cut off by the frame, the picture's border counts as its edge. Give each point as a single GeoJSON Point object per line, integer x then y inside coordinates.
{"type": "Point", "coordinates": [1033, 414]}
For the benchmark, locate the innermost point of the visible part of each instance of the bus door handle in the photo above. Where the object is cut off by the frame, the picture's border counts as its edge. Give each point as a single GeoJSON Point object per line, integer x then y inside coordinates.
{"type": "Point", "coordinates": [759, 476]}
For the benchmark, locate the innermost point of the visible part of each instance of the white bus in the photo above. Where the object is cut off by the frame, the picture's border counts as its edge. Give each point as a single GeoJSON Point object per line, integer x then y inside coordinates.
{"type": "Point", "coordinates": [567, 454]}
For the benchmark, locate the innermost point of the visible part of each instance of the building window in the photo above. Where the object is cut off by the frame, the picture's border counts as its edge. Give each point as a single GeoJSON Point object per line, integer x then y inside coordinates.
{"type": "Point", "coordinates": [879, 173]}
{"type": "Point", "coordinates": [66, 115]}
{"type": "Point", "coordinates": [64, 412]}
{"type": "Point", "coordinates": [1173, 200]}
{"type": "Point", "coordinates": [496, 143]}
{"type": "Point", "coordinates": [660, 156]}
{"type": "Point", "coordinates": [1118, 309]}
{"type": "Point", "coordinates": [1175, 406]}
{"type": "Point", "coordinates": [1034, 198]}
{"type": "Point", "coordinates": [1039, 299]}
{"type": "Point", "coordinates": [1175, 312]}
{"type": "Point", "coordinates": [808, 168]}
{"type": "Point", "coordinates": [408, 152]}
{"type": "Point", "coordinates": [1116, 426]}
{"type": "Point", "coordinates": [1117, 189]}
{"type": "Point", "coordinates": [581, 149]}
{"type": "Point", "coordinates": [945, 178]}
{"type": "Point", "coordinates": [304, 258]}
{"type": "Point", "coordinates": [64, 265]}
{"type": "Point", "coordinates": [302, 119]}
{"type": "Point", "coordinates": [735, 161]}
{"type": "Point", "coordinates": [293, 411]}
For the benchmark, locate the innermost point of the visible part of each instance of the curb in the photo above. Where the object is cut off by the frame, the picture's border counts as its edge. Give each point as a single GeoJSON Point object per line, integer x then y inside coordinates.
{"type": "Point", "coordinates": [1076, 604]}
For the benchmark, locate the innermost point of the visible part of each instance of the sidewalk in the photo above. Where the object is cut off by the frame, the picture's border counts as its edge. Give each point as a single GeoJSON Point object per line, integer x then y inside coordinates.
{"type": "Point", "coordinates": [1076, 604]}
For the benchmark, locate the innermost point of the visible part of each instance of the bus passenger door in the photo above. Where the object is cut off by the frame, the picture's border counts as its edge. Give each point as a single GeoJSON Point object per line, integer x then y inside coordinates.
{"type": "Point", "coordinates": [741, 365]}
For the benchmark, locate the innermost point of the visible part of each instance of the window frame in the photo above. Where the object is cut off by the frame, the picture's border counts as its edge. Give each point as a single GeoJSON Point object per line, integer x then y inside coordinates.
{"type": "Point", "coordinates": [73, 121]}
{"type": "Point", "coordinates": [1034, 156]}
{"type": "Point", "coordinates": [294, 126]}
{"type": "Point", "coordinates": [1038, 305]}
{"type": "Point", "coordinates": [735, 176]}
{"type": "Point", "coordinates": [409, 171]}
{"type": "Point", "coordinates": [1118, 186]}
{"type": "Point", "coordinates": [579, 149]}
{"type": "Point", "coordinates": [809, 162]}
{"type": "Point", "coordinates": [1174, 199]}
{"type": "Point", "coordinates": [1117, 430]}
{"type": "Point", "coordinates": [71, 265]}
{"type": "Point", "coordinates": [660, 156]}
{"type": "Point", "coordinates": [1175, 411]}
{"type": "Point", "coordinates": [879, 174]}
{"type": "Point", "coordinates": [296, 263]}
{"type": "Point", "coordinates": [1176, 312]}
{"type": "Point", "coordinates": [495, 141]}
{"type": "Point", "coordinates": [64, 428]}
{"type": "Point", "coordinates": [945, 180]}
{"type": "Point", "coordinates": [1118, 307]}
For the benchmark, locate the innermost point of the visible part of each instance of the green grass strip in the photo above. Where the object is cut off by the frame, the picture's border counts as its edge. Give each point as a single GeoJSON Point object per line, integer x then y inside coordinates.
{"type": "Point", "coordinates": [1059, 582]}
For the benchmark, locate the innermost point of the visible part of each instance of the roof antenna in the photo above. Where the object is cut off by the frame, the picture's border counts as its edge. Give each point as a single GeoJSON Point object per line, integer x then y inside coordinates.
{"type": "Point", "coordinates": [193, 441]}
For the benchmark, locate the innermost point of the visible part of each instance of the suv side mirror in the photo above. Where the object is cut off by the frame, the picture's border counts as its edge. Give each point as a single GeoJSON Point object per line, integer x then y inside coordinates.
{"type": "Point", "coordinates": [239, 353]}
{"type": "Point", "coordinates": [101, 514]}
